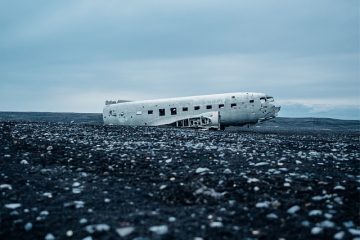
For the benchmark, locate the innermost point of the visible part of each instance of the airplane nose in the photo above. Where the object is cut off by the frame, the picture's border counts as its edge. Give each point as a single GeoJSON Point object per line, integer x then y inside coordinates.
{"type": "Point", "coordinates": [277, 109]}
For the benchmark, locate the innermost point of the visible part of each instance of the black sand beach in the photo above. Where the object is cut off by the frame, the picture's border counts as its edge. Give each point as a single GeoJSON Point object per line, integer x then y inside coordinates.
{"type": "Point", "coordinates": [82, 180]}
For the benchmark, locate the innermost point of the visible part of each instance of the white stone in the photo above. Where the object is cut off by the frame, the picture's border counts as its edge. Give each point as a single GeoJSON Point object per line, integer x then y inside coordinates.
{"type": "Point", "coordinates": [293, 209]}
{"type": "Point", "coordinates": [47, 194]}
{"type": "Point", "coordinates": [272, 216]}
{"type": "Point", "coordinates": [49, 236]}
{"type": "Point", "coordinates": [44, 213]}
{"type": "Point", "coordinates": [83, 221]}
{"type": "Point", "coordinates": [172, 219]}
{"type": "Point", "coordinates": [69, 233]}
{"type": "Point", "coordinates": [315, 213]}
{"type": "Point", "coordinates": [339, 187]}
{"type": "Point", "coordinates": [327, 224]}
{"type": "Point", "coordinates": [162, 229]}
{"type": "Point", "coordinates": [49, 148]}
{"type": "Point", "coordinates": [227, 171]}
{"type": "Point", "coordinates": [76, 190]}
{"type": "Point", "coordinates": [201, 170]}
{"type": "Point", "coordinates": [76, 184]}
{"type": "Point", "coordinates": [316, 230]}
{"type": "Point", "coordinates": [97, 228]}
{"type": "Point", "coordinates": [339, 235]}
{"type": "Point", "coordinates": [5, 186]}
{"type": "Point", "coordinates": [28, 226]}
{"type": "Point", "coordinates": [24, 162]}
{"type": "Point", "coordinates": [123, 232]}
{"type": "Point", "coordinates": [252, 180]}
{"type": "Point", "coordinates": [261, 164]}
{"type": "Point", "coordinates": [87, 238]}
{"type": "Point", "coordinates": [354, 231]}
{"type": "Point", "coordinates": [263, 204]}
{"type": "Point", "coordinates": [13, 205]}
{"type": "Point", "coordinates": [216, 224]}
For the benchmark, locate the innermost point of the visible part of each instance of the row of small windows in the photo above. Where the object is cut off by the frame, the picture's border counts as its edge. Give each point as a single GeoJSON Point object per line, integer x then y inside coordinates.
{"type": "Point", "coordinates": [173, 111]}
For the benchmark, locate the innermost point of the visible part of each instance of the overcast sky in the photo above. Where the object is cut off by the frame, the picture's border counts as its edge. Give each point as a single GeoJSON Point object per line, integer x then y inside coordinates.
{"type": "Point", "coordinates": [71, 56]}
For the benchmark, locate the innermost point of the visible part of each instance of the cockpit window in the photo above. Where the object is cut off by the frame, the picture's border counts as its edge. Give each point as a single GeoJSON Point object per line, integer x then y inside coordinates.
{"type": "Point", "coordinates": [270, 99]}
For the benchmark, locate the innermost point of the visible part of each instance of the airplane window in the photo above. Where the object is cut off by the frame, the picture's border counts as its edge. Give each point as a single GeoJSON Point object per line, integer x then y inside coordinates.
{"type": "Point", "coordinates": [150, 112]}
{"type": "Point", "coordinates": [209, 107]}
{"type": "Point", "coordinates": [232, 96]}
{"type": "Point", "coordinates": [251, 101]}
{"type": "Point", "coordinates": [221, 105]}
{"type": "Point", "coordinates": [196, 107]}
{"type": "Point", "coordinates": [173, 111]}
{"type": "Point", "coordinates": [185, 109]}
{"type": "Point", "coordinates": [270, 99]}
{"type": "Point", "coordinates": [233, 105]}
{"type": "Point", "coordinates": [161, 112]}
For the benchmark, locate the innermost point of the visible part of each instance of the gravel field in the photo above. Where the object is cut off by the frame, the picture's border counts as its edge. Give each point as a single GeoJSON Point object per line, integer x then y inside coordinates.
{"type": "Point", "coordinates": [82, 181]}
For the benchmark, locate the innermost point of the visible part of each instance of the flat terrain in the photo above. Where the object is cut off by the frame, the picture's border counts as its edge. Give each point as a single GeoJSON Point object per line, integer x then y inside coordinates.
{"type": "Point", "coordinates": [72, 181]}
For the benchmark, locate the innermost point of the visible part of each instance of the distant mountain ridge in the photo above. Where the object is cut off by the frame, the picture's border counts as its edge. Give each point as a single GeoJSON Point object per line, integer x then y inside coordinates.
{"type": "Point", "coordinates": [280, 123]}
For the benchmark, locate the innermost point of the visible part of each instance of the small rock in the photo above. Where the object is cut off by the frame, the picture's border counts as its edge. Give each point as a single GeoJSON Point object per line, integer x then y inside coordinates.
{"type": "Point", "coordinates": [49, 148]}
{"type": "Point", "coordinates": [339, 235]}
{"type": "Point", "coordinates": [227, 171]}
{"type": "Point", "coordinates": [28, 226]}
{"type": "Point", "coordinates": [83, 221]}
{"type": "Point", "coordinates": [354, 231]}
{"type": "Point", "coordinates": [327, 224]}
{"type": "Point", "coordinates": [201, 170]}
{"type": "Point", "coordinates": [24, 162]}
{"type": "Point", "coordinates": [287, 184]}
{"type": "Point", "coordinates": [97, 228]}
{"type": "Point", "coordinates": [272, 216]}
{"type": "Point", "coordinates": [293, 209]}
{"type": "Point", "coordinates": [216, 224]}
{"type": "Point", "coordinates": [263, 204]}
{"type": "Point", "coordinates": [252, 180]}
{"type": "Point", "coordinates": [339, 187]}
{"type": "Point", "coordinates": [69, 233]}
{"type": "Point", "coordinates": [6, 186]}
{"type": "Point", "coordinates": [161, 230]}
{"type": "Point", "coordinates": [13, 205]}
{"type": "Point", "coordinates": [123, 232]}
{"type": "Point", "coordinates": [49, 236]}
{"type": "Point", "coordinates": [47, 194]}
{"type": "Point", "coordinates": [315, 213]}
{"type": "Point", "coordinates": [44, 213]}
{"type": "Point", "coordinates": [172, 219]}
{"type": "Point", "coordinates": [76, 190]}
{"type": "Point", "coordinates": [261, 164]}
{"type": "Point", "coordinates": [316, 230]}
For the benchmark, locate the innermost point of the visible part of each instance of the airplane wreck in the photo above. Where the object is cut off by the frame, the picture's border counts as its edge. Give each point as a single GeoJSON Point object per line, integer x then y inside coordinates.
{"type": "Point", "coordinates": [216, 111]}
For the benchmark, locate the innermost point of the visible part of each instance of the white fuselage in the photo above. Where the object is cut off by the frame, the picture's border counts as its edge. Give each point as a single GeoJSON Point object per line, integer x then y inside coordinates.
{"type": "Point", "coordinates": [231, 109]}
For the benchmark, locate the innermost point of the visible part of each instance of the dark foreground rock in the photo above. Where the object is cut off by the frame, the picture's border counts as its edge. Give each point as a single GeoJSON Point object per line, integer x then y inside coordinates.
{"type": "Point", "coordinates": [68, 181]}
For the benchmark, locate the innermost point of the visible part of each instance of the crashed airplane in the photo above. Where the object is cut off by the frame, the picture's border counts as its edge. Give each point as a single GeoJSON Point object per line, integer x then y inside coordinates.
{"type": "Point", "coordinates": [208, 111]}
